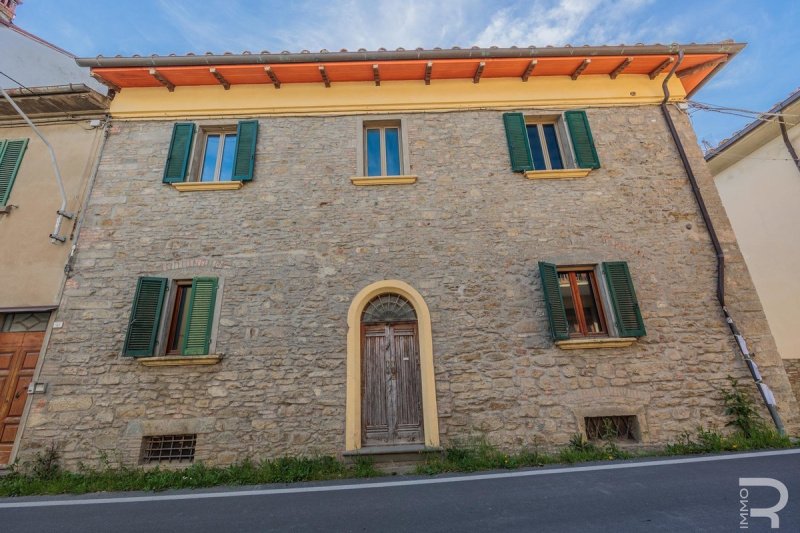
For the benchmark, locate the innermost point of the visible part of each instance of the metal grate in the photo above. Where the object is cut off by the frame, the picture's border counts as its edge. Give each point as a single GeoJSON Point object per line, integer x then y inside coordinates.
{"type": "Point", "coordinates": [168, 449]}
{"type": "Point", "coordinates": [611, 427]}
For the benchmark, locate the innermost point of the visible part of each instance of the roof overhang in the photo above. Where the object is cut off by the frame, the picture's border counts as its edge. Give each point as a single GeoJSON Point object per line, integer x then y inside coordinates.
{"type": "Point", "coordinates": [54, 101]}
{"type": "Point", "coordinates": [701, 61]}
{"type": "Point", "coordinates": [755, 135]}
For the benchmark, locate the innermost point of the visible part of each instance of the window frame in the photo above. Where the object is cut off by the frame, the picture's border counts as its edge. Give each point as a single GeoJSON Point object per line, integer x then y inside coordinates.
{"type": "Point", "coordinates": [566, 151]}
{"type": "Point", "coordinates": [198, 154]}
{"type": "Point", "coordinates": [382, 122]}
{"type": "Point", "coordinates": [163, 336]}
{"type": "Point", "coordinates": [599, 301]}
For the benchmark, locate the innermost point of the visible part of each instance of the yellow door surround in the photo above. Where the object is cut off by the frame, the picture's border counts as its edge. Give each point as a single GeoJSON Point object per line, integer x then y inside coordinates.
{"type": "Point", "coordinates": [428, 380]}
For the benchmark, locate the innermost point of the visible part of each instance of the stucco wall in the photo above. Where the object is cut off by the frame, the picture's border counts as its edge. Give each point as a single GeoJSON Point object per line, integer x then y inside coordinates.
{"type": "Point", "coordinates": [33, 267]}
{"type": "Point", "coordinates": [298, 243]}
{"type": "Point", "coordinates": [761, 194]}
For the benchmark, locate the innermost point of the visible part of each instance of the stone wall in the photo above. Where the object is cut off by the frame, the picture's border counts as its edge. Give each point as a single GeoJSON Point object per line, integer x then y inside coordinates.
{"type": "Point", "coordinates": [792, 367]}
{"type": "Point", "coordinates": [295, 245]}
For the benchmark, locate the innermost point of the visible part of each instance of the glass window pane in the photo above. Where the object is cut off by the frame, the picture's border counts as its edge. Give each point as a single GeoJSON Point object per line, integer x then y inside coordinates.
{"type": "Point", "coordinates": [180, 311]}
{"type": "Point", "coordinates": [569, 303]}
{"type": "Point", "coordinates": [392, 151]}
{"type": "Point", "coordinates": [228, 154]}
{"type": "Point", "coordinates": [210, 158]}
{"type": "Point", "coordinates": [373, 152]}
{"type": "Point", "coordinates": [588, 302]}
{"type": "Point", "coordinates": [552, 146]}
{"type": "Point", "coordinates": [536, 147]}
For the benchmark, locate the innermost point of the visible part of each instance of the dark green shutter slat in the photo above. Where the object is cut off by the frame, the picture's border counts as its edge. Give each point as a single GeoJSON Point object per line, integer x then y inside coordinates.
{"type": "Point", "coordinates": [623, 299]}
{"type": "Point", "coordinates": [246, 138]}
{"type": "Point", "coordinates": [559, 327]}
{"type": "Point", "coordinates": [145, 317]}
{"type": "Point", "coordinates": [179, 149]}
{"type": "Point", "coordinates": [582, 141]}
{"type": "Point", "coordinates": [518, 146]}
{"type": "Point", "coordinates": [201, 313]}
{"type": "Point", "coordinates": [11, 153]}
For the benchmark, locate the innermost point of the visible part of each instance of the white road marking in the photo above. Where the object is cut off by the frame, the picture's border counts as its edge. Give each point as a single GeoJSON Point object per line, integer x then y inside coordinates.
{"type": "Point", "coordinates": [387, 484]}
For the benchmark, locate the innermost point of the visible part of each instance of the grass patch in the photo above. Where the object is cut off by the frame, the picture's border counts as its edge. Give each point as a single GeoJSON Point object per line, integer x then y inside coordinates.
{"type": "Point", "coordinates": [43, 476]}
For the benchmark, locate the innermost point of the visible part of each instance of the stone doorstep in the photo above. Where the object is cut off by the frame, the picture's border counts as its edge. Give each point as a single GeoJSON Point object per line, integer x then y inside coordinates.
{"type": "Point", "coordinates": [393, 459]}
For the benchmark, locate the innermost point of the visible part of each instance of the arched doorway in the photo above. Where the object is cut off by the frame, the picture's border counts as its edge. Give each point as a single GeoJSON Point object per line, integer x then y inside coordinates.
{"type": "Point", "coordinates": [391, 388]}
{"type": "Point", "coordinates": [391, 395]}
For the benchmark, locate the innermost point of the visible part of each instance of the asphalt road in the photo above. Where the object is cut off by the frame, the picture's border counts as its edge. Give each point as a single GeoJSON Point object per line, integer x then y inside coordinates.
{"type": "Point", "coordinates": [683, 494]}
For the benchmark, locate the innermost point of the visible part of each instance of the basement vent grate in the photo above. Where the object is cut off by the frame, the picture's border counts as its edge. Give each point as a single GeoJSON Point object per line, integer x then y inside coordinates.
{"type": "Point", "coordinates": [168, 449]}
{"type": "Point", "coordinates": [611, 427]}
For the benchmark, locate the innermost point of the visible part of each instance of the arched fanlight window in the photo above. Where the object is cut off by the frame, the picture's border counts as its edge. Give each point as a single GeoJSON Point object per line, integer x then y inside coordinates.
{"type": "Point", "coordinates": [388, 308]}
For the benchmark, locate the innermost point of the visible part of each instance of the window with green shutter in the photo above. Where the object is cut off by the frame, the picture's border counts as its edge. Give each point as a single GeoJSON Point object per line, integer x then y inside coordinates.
{"type": "Point", "coordinates": [574, 301]}
{"type": "Point", "coordinates": [545, 142]}
{"type": "Point", "coordinates": [185, 308]}
{"type": "Point", "coordinates": [215, 154]}
{"type": "Point", "coordinates": [11, 152]}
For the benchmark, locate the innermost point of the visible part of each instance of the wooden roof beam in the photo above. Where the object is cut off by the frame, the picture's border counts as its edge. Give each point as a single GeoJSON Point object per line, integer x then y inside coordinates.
{"type": "Point", "coordinates": [529, 70]}
{"type": "Point", "coordinates": [162, 80]}
{"type": "Point", "coordinates": [113, 87]}
{"type": "Point", "coordinates": [222, 81]}
{"type": "Point", "coordinates": [376, 75]}
{"type": "Point", "coordinates": [697, 68]}
{"type": "Point", "coordinates": [621, 67]}
{"type": "Point", "coordinates": [580, 69]}
{"type": "Point", "coordinates": [275, 81]}
{"type": "Point", "coordinates": [324, 74]}
{"type": "Point", "coordinates": [667, 62]}
{"type": "Point", "coordinates": [428, 70]}
{"type": "Point", "coordinates": [477, 77]}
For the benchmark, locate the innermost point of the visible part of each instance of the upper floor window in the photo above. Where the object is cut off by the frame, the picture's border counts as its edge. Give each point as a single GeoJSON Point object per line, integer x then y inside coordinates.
{"type": "Point", "coordinates": [218, 153]}
{"type": "Point", "coordinates": [550, 142]}
{"type": "Point", "coordinates": [382, 151]}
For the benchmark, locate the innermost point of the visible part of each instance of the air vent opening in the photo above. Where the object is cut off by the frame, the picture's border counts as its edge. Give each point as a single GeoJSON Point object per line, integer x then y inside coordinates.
{"type": "Point", "coordinates": [612, 428]}
{"type": "Point", "coordinates": [168, 449]}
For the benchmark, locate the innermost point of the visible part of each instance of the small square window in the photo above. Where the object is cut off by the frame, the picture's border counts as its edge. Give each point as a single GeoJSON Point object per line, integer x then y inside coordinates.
{"type": "Point", "coordinates": [582, 302]}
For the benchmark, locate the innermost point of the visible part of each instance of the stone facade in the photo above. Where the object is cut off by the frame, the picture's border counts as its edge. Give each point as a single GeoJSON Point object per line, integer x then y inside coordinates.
{"type": "Point", "coordinates": [294, 246]}
{"type": "Point", "coordinates": [792, 367]}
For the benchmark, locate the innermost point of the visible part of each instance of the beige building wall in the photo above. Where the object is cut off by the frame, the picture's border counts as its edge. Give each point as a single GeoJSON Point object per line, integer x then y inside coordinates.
{"type": "Point", "coordinates": [761, 194]}
{"type": "Point", "coordinates": [32, 266]}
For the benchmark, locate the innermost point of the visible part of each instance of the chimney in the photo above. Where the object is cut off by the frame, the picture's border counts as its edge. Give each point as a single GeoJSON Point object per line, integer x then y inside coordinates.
{"type": "Point", "coordinates": [7, 9]}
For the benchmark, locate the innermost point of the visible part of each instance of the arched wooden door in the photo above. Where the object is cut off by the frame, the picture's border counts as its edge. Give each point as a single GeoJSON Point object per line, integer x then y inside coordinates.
{"type": "Point", "coordinates": [391, 392]}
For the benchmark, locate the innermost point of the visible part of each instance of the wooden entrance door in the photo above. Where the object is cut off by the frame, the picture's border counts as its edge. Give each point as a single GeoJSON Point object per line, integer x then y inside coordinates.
{"type": "Point", "coordinates": [19, 353]}
{"type": "Point", "coordinates": [391, 393]}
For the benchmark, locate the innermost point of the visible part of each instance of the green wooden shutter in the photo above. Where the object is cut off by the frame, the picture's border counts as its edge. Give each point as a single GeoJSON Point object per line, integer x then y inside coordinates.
{"type": "Point", "coordinates": [246, 137]}
{"type": "Point", "coordinates": [11, 153]}
{"type": "Point", "coordinates": [179, 149]}
{"type": "Point", "coordinates": [197, 336]}
{"type": "Point", "coordinates": [623, 299]}
{"type": "Point", "coordinates": [559, 327]}
{"type": "Point", "coordinates": [582, 141]}
{"type": "Point", "coordinates": [518, 147]}
{"type": "Point", "coordinates": [145, 317]}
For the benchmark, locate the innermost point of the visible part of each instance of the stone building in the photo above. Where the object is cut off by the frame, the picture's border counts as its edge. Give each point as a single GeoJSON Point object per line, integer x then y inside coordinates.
{"type": "Point", "coordinates": [757, 173]}
{"type": "Point", "coordinates": [37, 215]}
{"type": "Point", "coordinates": [385, 252]}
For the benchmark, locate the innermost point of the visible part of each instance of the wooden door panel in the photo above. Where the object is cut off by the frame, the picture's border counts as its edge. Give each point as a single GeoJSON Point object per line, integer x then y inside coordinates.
{"type": "Point", "coordinates": [375, 423]}
{"type": "Point", "coordinates": [391, 384]}
{"type": "Point", "coordinates": [19, 353]}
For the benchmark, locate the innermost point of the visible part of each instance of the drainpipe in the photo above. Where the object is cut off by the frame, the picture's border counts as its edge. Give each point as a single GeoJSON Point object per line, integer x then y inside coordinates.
{"type": "Point", "coordinates": [62, 211]}
{"type": "Point", "coordinates": [766, 393]}
{"type": "Point", "coordinates": [787, 142]}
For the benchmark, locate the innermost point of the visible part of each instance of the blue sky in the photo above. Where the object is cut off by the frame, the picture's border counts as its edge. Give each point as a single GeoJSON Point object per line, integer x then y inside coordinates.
{"type": "Point", "coordinates": [763, 74]}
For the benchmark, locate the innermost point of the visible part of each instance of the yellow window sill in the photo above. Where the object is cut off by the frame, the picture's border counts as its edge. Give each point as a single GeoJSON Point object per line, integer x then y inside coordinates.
{"type": "Point", "coordinates": [188, 186]}
{"type": "Point", "coordinates": [384, 180]}
{"type": "Point", "coordinates": [564, 173]}
{"type": "Point", "coordinates": [180, 360]}
{"type": "Point", "coordinates": [601, 342]}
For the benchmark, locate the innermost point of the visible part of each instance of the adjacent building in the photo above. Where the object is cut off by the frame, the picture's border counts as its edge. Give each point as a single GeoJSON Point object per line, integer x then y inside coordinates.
{"type": "Point", "coordinates": [757, 173]}
{"type": "Point", "coordinates": [385, 252]}
{"type": "Point", "coordinates": [37, 215]}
